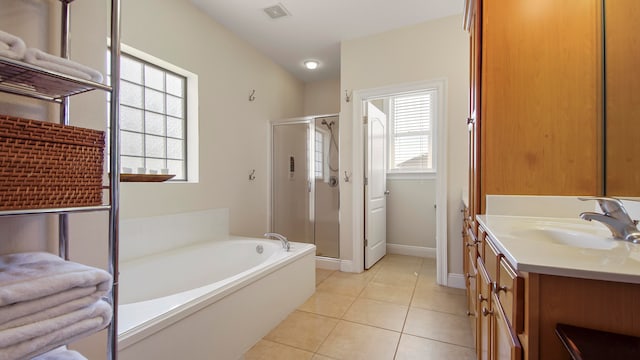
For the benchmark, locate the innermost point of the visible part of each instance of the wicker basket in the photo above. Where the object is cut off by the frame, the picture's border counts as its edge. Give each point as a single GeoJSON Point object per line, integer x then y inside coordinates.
{"type": "Point", "coordinates": [48, 165]}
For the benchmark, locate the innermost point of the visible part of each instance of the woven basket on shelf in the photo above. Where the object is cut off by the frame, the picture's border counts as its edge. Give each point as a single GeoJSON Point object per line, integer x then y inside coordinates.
{"type": "Point", "coordinates": [48, 165]}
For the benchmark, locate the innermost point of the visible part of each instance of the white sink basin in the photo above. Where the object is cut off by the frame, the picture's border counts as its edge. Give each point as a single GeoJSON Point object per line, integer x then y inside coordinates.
{"type": "Point", "coordinates": [569, 236]}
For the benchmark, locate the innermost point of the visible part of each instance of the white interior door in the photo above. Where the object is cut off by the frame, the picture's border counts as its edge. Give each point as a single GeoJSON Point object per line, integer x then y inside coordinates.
{"type": "Point", "coordinates": [375, 187]}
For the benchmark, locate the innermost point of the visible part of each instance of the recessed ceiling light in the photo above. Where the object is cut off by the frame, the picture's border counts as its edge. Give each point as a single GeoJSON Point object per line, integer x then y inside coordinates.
{"type": "Point", "coordinates": [311, 64]}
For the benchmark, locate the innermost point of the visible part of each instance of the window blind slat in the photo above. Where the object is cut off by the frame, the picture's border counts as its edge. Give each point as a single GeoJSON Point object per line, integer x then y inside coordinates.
{"type": "Point", "coordinates": [412, 116]}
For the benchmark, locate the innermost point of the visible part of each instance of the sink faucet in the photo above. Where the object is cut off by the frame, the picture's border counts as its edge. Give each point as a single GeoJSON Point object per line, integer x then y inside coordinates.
{"type": "Point", "coordinates": [615, 217]}
{"type": "Point", "coordinates": [282, 238]}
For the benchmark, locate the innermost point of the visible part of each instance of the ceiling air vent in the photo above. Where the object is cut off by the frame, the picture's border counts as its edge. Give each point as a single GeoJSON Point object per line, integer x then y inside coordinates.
{"type": "Point", "coordinates": [276, 11]}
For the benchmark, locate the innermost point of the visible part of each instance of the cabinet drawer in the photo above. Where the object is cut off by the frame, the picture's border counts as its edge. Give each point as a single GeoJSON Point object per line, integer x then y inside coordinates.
{"type": "Point", "coordinates": [490, 258]}
{"type": "Point", "coordinates": [505, 342]}
{"type": "Point", "coordinates": [509, 288]}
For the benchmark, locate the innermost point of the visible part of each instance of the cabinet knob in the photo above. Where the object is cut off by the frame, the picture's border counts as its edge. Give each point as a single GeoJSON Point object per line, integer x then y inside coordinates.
{"type": "Point", "coordinates": [469, 120]}
{"type": "Point", "coordinates": [469, 276]}
{"type": "Point", "coordinates": [473, 243]}
{"type": "Point", "coordinates": [497, 288]}
{"type": "Point", "coordinates": [482, 298]}
{"type": "Point", "coordinates": [486, 312]}
{"type": "Point", "coordinates": [469, 313]}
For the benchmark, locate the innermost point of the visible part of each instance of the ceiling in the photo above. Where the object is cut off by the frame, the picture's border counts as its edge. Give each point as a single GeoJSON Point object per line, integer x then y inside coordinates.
{"type": "Point", "coordinates": [315, 29]}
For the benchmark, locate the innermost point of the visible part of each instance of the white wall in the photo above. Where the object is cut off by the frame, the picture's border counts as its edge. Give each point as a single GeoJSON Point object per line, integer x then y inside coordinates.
{"type": "Point", "coordinates": [322, 97]}
{"type": "Point", "coordinates": [234, 132]}
{"type": "Point", "coordinates": [411, 216]}
{"type": "Point", "coordinates": [431, 50]}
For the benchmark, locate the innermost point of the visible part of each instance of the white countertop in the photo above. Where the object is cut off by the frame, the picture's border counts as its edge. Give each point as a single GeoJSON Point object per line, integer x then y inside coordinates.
{"type": "Point", "coordinates": [619, 262]}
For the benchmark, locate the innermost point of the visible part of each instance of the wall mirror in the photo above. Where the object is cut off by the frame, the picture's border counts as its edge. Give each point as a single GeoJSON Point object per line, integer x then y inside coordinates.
{"type": "Point", "coordinates": [622, 98]}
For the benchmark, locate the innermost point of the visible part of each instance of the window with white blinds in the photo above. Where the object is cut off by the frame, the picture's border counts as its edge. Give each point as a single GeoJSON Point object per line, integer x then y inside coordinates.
{"type": "Point", "coordinates": [411, 120]}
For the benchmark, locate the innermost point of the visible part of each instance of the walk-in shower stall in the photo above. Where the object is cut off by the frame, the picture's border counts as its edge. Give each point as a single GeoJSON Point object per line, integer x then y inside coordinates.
{"type": "Point", "coordinates": [305, 182]}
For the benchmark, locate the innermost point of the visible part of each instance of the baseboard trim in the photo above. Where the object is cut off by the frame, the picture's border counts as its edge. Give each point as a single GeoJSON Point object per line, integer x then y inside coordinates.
{"type": "Point", "coordinates": [419, 251]}
{"type": "Point", "coordinates": [346, 266]}
{"type": "Point", "coordinates": [456, 281]}
{"type": "Point", "coordinates": [327, 263]}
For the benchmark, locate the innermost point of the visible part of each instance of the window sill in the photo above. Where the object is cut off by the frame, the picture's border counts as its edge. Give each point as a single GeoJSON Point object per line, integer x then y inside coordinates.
{"type": "Point", "coordinates": [411, 176]}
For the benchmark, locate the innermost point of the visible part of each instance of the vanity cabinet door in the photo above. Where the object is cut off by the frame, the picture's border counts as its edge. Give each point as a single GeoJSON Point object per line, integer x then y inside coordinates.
{"type": "Point", "coordinates": [473, 22]}
{"type": "Point", "coordinates": [472, 279]}
{"type": "Point", "coordinates": [470, 256]}
{"type": "Point", "coordinates": [505, 341]}
{"type": "Point", "coordinates": [484, 311]}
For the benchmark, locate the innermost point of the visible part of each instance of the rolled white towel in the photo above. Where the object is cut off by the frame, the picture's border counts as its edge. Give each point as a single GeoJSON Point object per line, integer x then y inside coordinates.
{"type": "Point", "coordinates": [11, 46]}
{"type": "Point", "coordinates": [51, 62]}
{"type": "Point", "coordinates": [27, 341]}
{"type": "Point", "coordinates": [35, 282]}
{"type": "Point", "coordinates": [61, 353]}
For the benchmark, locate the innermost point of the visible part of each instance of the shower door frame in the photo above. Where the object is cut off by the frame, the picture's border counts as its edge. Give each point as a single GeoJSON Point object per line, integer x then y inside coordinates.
{"type": "Point", "coordinates": [310, 122]}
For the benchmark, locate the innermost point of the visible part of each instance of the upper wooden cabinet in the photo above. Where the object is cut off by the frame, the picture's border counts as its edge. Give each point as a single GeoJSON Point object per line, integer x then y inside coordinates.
{"type": "Point", "coordinates": [622, 105]}
{"type": "Point", "coordinates": [473, 24]}
{"type": "Point", "coordinates": [540, 96]}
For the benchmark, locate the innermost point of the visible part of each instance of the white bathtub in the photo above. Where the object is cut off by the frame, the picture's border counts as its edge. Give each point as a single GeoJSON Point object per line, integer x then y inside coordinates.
{"type": "Point", "coordinates": [212, 300]}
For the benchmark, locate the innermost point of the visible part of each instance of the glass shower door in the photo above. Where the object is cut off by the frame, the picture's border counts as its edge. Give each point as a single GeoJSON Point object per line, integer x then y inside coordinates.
{"type": "Point", "coordinates": [292, 210]}
{"type": "Point", "coordinates": [305, 183]}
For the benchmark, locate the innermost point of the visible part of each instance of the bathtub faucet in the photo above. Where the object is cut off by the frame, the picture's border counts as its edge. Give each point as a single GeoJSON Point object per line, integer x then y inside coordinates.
{"type": "Point", "coordinates": [282, 238]}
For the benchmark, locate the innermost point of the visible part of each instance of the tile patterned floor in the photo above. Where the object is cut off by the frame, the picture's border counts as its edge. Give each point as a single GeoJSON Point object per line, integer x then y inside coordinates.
{"type": "Point", "coordinates": [393, 311]}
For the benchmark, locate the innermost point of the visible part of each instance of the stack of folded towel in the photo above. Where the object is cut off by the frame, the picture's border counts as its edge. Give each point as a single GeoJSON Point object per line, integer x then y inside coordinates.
{"type": "Point", "coordinates": [11, 46]}
{"type": "Point", "coordinates": [61, 353]}
{"type": "Point", "coordinates": [46, 302]}
{"type": "Point", "coordinates": [14, 47]}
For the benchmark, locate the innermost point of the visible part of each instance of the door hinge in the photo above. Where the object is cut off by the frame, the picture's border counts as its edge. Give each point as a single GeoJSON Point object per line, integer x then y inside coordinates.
{"type": "Point", "coordinates": [366, 181]}
{"type": "Point", "coordinates": [366, 242]}
{"type": "Point", "coordinates": [365, 120]}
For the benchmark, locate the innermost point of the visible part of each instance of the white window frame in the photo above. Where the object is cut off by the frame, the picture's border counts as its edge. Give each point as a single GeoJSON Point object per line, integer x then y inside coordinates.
{"type": "Point", "coordinates": [192, 133]}
{"type": "Point", "coordinates": [435, 113]}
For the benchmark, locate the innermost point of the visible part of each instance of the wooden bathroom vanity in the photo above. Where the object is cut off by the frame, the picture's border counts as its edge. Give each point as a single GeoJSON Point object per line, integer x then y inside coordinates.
{"type": "Point", "coordinates": [537, 110]}
{"type": "Point", "coordinates": [516, 305]}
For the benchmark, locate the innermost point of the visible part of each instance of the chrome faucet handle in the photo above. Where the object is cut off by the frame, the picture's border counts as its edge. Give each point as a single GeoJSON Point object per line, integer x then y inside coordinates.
{"type": "Point", "coordinates": [610, 206]}
{"type": "Point", "coordinates": [285, 242]}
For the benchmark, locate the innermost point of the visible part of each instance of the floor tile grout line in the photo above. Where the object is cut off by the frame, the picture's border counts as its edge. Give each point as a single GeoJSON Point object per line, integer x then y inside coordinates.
{"type": "Point", "coordinates": [368, 280]}
{"type": "Point", "coordinates": [440, 341]}
{"type": "Point", "coordinates": [287, 345]}
{"type": "Point", "coordinates": [369, 325]}
{"type": "Point", "coordinates": [442, 312]}
{"type": "Point", "coordinates": [404, 323]}
{"type": "Point", "coordinates": [325, 338]}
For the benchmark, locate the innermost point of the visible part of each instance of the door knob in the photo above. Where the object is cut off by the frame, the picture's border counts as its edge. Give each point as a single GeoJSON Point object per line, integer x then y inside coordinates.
{"type": "Point", "coordinates": [387, 192]}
